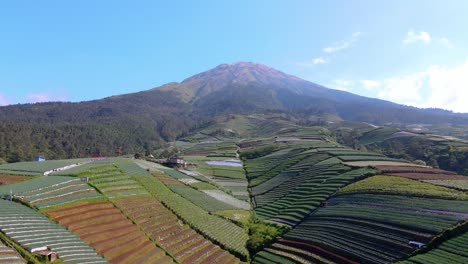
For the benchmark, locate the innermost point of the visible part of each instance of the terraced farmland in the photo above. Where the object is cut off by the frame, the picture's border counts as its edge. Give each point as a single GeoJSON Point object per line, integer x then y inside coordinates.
{"type": "Point", "coordinates": [225, 172]}
{"type": "Point", "coordinates": [217, 229]}
{"type": "Point", "coordinates": [371, 228]}
{"type": "Point", "coordinates": [290, 183]}
{"type": "Point", "coordinates": [36, 168]}
{"type": "Point", "coordinates": [107, 230]}
{"type": "Point", "coordinates": [212, 148]}
{"type": "Point", "coordinates": [70, 190]}
{"type": "Point", "coordinates": [450, 251]}
{"type": "Point", "coordinates": [201, 198]}
{"type": "Point", "coordinates": [113, 181]}
{"type": "Point", "coordinates": [402, 186]}
{"type": "Point", "coordinates": [159, 223]}
{"type": "Point", "coordinates": [49, 191]}
{"type": "Point", "coordinates": [9, 179]}
{"type": "Point", "coordinates": [420, 173]}
{"type": "Point", "coordinates": [9, 256]}
{"type": "Point", "coordinates": [31, 229]}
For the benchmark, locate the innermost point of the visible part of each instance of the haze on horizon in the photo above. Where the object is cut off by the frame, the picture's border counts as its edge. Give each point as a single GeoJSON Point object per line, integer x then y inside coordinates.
{"type": "Point", "coordinates": [407, 52]}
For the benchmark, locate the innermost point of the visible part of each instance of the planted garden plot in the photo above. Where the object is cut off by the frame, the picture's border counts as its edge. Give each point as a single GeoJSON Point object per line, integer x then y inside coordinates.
{"type": "Point", "coordinates": [159, 223]}
{"type": "Point", "coordinates": [106, 229]}
{"type": "Point", "coordinates": [114, 182]}
{"type": "Point", "coordinates": [292, 201]}
{"type": "Point", "coordinates": [9, 255]}
{"type": "Point", "coordinates": [450, 251]}
{"type": "Point", "coordinates": [374, 163]}
{"type": "Point", "coordinates": [212, 148]}
{"type": "Point", "coordinates": [457, 184]}
{"type": "Point", "coordinates": [217, 166]}
{"type": "Point", "coordinates": [70, 189]}
{"type": "Point", "coordinates": [420, 173]}
{"type": "Point", "coordinates": [374, 228]}
{"type": "Point", "coordinates": [32, 230]}
{"type": "Point", "coordinates": [225, 198]}
{"type": "Point", "coordinates": [9, 179]}
{"type": "Point", "coordinates": [402, 186]}
{"type": "Point", "coordinates": [202, 199]}
{"type": "Point", "coordinates": [224, 232]}
{"type": "Point", "coordinates": [35, 168]}
{"type": "Point", "coordinates": [228, 163]}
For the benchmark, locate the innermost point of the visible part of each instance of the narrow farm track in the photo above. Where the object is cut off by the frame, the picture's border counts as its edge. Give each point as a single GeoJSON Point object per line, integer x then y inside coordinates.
{"type": "Point", "coordinates": [106, 229]}
{"type": "Point", "coordinates": [159, 223]}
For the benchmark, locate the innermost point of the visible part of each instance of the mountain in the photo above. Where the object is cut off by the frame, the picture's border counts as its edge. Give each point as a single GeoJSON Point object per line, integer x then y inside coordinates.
{"type": "Point", "coordinates": [142, 121]}
{"type": "Point", "coordinates": [246, 86]}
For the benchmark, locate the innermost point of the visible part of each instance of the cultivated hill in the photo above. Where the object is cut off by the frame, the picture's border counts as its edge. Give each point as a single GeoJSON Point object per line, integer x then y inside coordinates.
{"type": "Point", "coordinates": [142, 121]}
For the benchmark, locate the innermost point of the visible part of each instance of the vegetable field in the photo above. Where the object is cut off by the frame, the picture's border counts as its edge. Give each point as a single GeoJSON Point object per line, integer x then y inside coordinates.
{"type": "Point", "coordinates": [107, 230]}
{"type": "Point", "coordinates": [227, 234]}
{"type": "Point", "coordinates": [8, 179]}
{"type": "Point", "coordinates": [31, 229]}
{"type": "Point", "coordinates": [159, 223]}
{"type": "Point", "coordinates": [450, 251]}
{"type": "Point", "coordinates": [9, 255]}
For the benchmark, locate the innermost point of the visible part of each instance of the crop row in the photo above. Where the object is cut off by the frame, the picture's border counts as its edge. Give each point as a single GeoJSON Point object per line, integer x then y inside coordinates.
{"type": "Point", "coordinates": [9, 255]}
{"type": "Point", "coordinates": [65, 192]}
{"type": "Point", "coordinates": [105, 228]}
{"type": "Point", "coordinates": [40, 183]}
{"type": "Point", "coordinates": [264, 168]}
{"type": "Point", "coordinates": [287, 174]}
{"type": "Point", "coordinates": [159, 223]}
{"type": "Point", "coordinates": [457, 184]}
{"type": "Point", "coordinates": [9, 179]}
{"type": "Point", "coordinates": [39, 167]}
{"type": "Point", "coordinates": [113, 182]}
{"type": "Point", "coordinates": [220, 231]}
{"type": "Point", "coordinates": [201, 199]}
{"type": "Point", "coordinates": [451, 251]}
{"type": "Point", "coordinates": [377, 230]}
{"type": "Point", "coordinates": [304, 198]}
{"type": "Point", "coordinates": [402, 186]}
{"type": "Point", "coordinates": [31, 230]}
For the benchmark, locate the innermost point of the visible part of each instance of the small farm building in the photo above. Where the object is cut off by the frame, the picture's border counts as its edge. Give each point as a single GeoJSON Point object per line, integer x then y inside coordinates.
{"type": "Point", "coordinates": [176, 162]}
{"type": "Point", "coordinates": [39, 158]}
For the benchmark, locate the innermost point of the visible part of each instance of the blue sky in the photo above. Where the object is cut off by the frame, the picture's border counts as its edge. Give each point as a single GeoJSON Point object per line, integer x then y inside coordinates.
{"type": "Point", "coordinates": [411, 52]}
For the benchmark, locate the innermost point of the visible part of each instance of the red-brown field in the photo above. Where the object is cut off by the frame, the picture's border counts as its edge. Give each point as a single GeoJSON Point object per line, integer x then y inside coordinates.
{"type": "Point", "coordinates": [9, 179]}
{"type": "Point", "coordinates": [428, 176]}
{"type": "Point", "coordinates": [114, 236]}
{"type": "Point", "coordinates": [186, 245]}
{"type": "Point", "coordinates": [413, 169]}
{"type": "Point", "coordinates": [419, 173]}
{"type": "Point", "coordinates": [167, 179]}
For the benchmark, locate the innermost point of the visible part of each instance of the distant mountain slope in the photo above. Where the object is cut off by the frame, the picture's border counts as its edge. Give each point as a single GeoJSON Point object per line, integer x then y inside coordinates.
{"type": "Point", "coordinates": [141, 121]}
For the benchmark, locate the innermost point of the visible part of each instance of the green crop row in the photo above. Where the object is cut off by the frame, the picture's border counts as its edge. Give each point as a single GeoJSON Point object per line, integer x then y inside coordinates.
{"type": "Point", "coordinates": [402, 186]}
{"type": "Point", "coordinates": [217, 229]}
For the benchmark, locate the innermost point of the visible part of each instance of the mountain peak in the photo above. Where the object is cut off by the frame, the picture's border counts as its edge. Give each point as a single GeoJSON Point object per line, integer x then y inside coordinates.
{"type": "Point", "coordinates": [242, 72]}
{"type": "Point", "coordinates": [227, 76]}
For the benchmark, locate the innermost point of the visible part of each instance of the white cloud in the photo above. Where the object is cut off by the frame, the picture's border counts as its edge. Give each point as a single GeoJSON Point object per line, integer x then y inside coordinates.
{"type": "Point", "coordinates": [313, 62]}
{"type": "Point", "coordinates": [370, 84]}
{"type": "Point", "coordinates": [405, 89]}
{"type": "Point", "coordinates": [3, 100]}
{"type": "Point", "coordinates": [447, 87]}
{"type": "Point", "coordinates": [55, 96]}
{"type": "Point", "coordinates": [343, 44]}
{"type": "Point", "coordinates": [320, 60]}
{"type": "Point", "coordinates": [440, 87]}
{"type": "Point", "coordinates": [343, 85]}
{"type": "Point", "coordinates": [445, 42]}
{"type": "Point", "coordinates": [421, 36]}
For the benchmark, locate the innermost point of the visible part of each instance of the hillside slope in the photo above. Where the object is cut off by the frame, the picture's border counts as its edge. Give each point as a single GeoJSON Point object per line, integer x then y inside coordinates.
{"type": "Point", "coordinates": [141, 121]}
